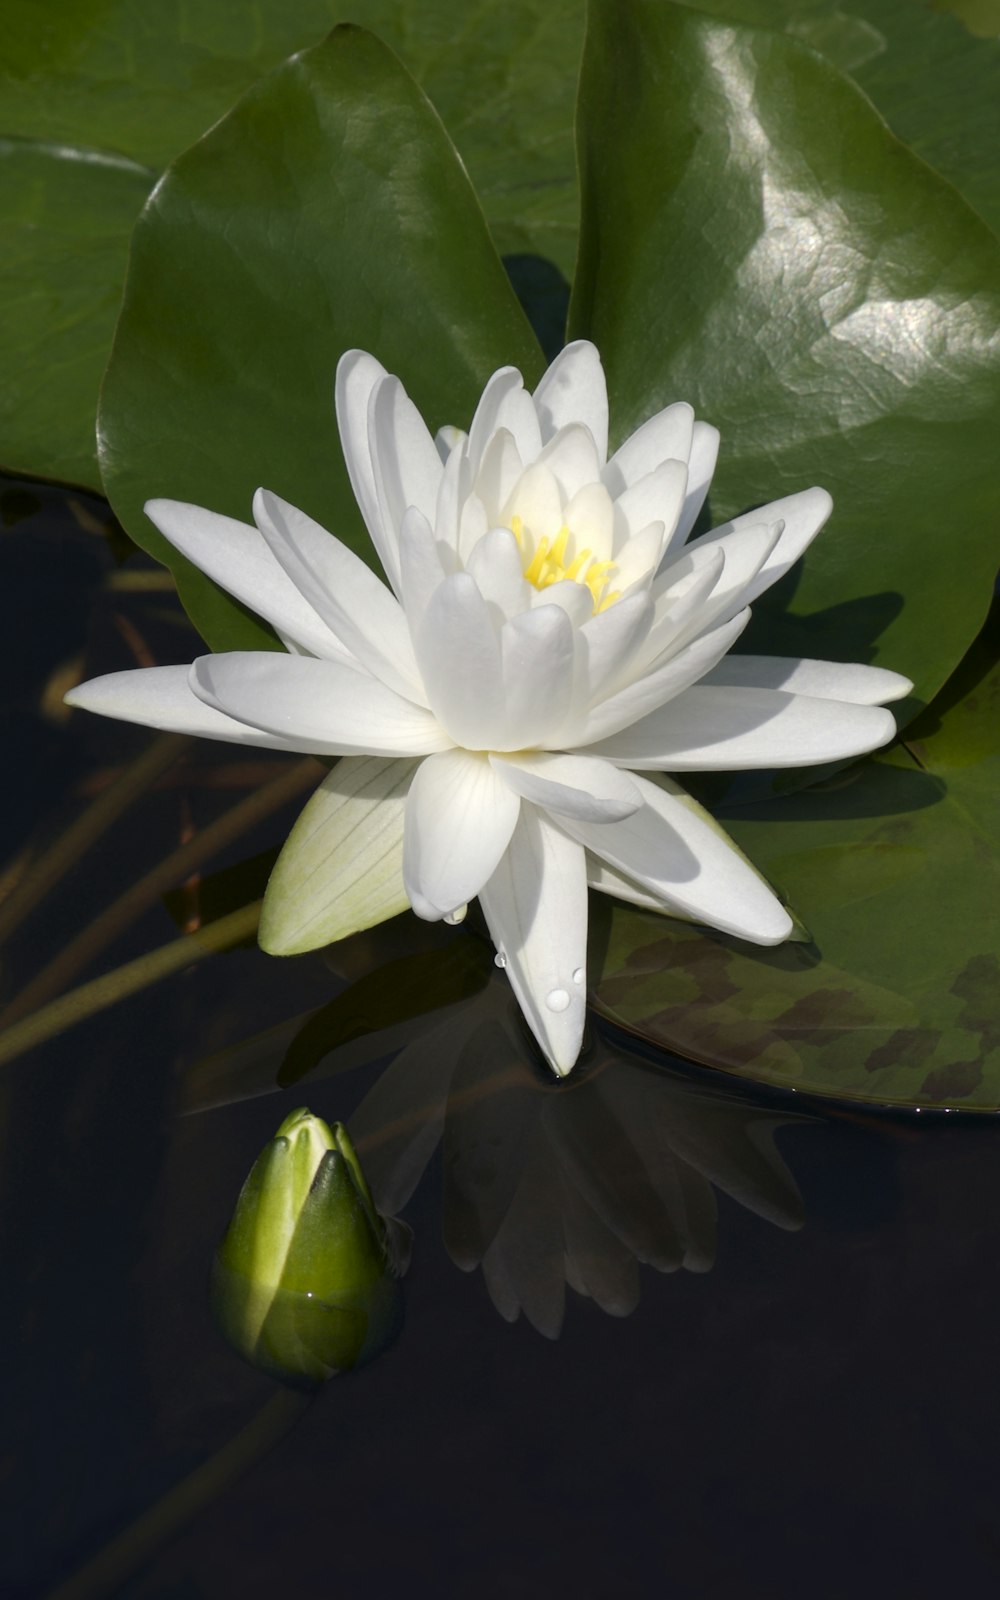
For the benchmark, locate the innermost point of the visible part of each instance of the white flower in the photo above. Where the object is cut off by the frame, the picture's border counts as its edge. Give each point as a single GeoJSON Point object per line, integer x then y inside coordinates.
{"type": "Point", "coordinates": [547, 633]}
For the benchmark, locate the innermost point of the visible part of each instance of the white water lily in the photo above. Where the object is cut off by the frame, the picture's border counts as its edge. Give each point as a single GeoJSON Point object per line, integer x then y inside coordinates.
{"type": "Point", "coordinates": [547, 633]}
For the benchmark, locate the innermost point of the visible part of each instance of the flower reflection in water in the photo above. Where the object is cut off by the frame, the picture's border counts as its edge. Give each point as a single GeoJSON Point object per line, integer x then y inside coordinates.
{"type": "Point", "coordinates": [577, 1184]}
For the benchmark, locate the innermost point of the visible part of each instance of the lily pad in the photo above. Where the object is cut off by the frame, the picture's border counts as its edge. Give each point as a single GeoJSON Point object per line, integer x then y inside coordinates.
{"type": "Point", "coordinates": [895, 868]}
{"type": "Point", "coordinates": [67, 216]}
{"type": "Point", "coordinates": [755, 241]}
{"type": "Point", "coordinates": [328, 210]}
{"type": "Point", "coordinates": [935, 81]}
{"type": "Point", "coordinates": [107, 85]}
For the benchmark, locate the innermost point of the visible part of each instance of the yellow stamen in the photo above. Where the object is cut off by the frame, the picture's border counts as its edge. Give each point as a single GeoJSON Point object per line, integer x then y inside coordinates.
{"type": "Point", "coordinates": [548, 565]}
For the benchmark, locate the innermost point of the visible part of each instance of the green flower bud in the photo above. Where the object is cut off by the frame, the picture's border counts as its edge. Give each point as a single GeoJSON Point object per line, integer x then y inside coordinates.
{"type": "Point", "coordinates": [306, 1280]}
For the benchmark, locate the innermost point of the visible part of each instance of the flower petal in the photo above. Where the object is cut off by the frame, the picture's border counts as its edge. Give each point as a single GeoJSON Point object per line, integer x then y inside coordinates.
{"type": "Point", "coordinates": [495, 564]}
{"type": "Point", "coordinates": [537, 651]}
{"type": "Point", "coordinates": [571, 786]}
{"type": "Point", "coordinates": [162, 697]}
{"type": "Point", "coordinates": [666, 436]}
{"type": "Point", "coordinates": [822, 680]}
{"type": "Point", "coordinates": [571, 457]}
{"type": "Point", "coordinates": [574, 390]}
{"type": "Point", "coordinates": [459, 819]}
{"type": "Point", "coordinates": [505, 382]}
{"type": "Point", "coordinates": [657, 497]}
{"type": "Point", "coordinates": [728, 730]}
{"type": "Point", "coordinates": [341, 867]}
{"type": "Point", "coordinates": [669, 849]}
{"type": "Point", "coordinates": [500, 469]}
{"type": "Point", "coordinates": [701, 466]}
{"type": "Point", "coordinates": [353, 602]}
{"type": "Point", "coordinates": [607, 881]}
{"type": "Point", "coordinates": [745, 552]}
{"type": "Point", "coordinates": [357, 375]}
{"type": "Point", "coordinates": [459, 655]}
{"type": "Point", "coordinates": [607, 643]}
{"type": "Point", "coordinates": [535, 906]}
{"type": "Point", "coordinates": [422, 567]}
{"type": "Point", "coordinates": [638, 700]}
{"type": "Point", "coordinates": [318, 706]}
{"type": "Point", "coordinates": [406, 465]}
{"type": "Point", "coordinates": [236, 556]}
{"type": "Point", "coordinates": [801, 515]}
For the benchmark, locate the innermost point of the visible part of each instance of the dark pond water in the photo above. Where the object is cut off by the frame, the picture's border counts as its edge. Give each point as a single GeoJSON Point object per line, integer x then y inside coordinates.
{"type": "Point", "coordinates": [794, 1394]}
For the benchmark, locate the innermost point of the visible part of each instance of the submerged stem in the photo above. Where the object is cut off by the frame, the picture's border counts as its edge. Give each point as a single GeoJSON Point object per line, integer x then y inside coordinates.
{"type": "Point", "coordinates": [124, 1555]}
{"type": "Point", "coordinates": [88, 944]}
{"type": "Point", "coordinates": [40, 879]}
{"type": "Point", "coordinates": [129, 979]}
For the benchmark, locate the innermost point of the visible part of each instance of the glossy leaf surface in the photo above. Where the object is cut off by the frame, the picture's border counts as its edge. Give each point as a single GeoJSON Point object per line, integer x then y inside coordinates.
{"type": "Point", "coordinates": [756, 242]}
{"type": "Point", "coordinates": [66, 217]}
{"type": "Point", "coordinates": [895, 868]}
{"type": "Point", "coordinates": [328, 211]}
{"type": "Point", "coordinates": [114, 81]}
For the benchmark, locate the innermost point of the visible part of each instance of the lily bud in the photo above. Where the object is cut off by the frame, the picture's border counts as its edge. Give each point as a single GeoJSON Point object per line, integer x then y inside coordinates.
{"type": "Point", "coordinates": [306, 1280]}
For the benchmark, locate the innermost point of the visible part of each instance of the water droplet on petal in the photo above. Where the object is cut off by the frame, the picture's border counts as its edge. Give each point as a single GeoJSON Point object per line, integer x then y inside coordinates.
{"type": "Point", "coordinates": [500, 960]}
{"type": "Point", "coordinates": [453, 918]}
{"type": "Point", "coordinates": [557, 999]}
{"type": "Point", "coordinates": [579, 975]}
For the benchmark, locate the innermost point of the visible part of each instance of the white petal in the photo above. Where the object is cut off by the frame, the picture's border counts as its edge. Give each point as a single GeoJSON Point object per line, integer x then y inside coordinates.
{"type": "Point", "coordinates": [701, 466]}
{"type": "Point", "coordinates": [745, 552]}
{"type": "Point", "coordinates": [574, 390]}
{"type": "Point", "coordinates": [405, 463]}
{"type": "Point", "coordinates": [664, 437]}
{"type": "Point", "coordinates": [590, 516]}
{"type": "Point", "coordinates": [571, 457]}
{"type": "Point", "coordinates": [353, 602]}
{"type": "Point", "coordinates": [459, 655]}
{"type": "Point", "coordinates": [573, 598]}
{"type": "Point", "coordinates": [801, 515]}
{"type": "Point", "coordinates": [647, 694]}
{"type": "Point", "coordinates": [495, 564]}
{"type": "Point", "coordinates": [313, 705]}
{"type": "Point", "coordinates": [670, 850]}
{"type": "Point", "coordinates": [535, 905]}
{"type": "Point", "coordinates": [500, 469]}
{"type": "Point", "coordinates": [459, 819]}
{"type": "Point", "coordinates": [357, 375]}
{"type": "Point", "coordinates": [605, 879]}
{"type": "Point", "coordinates": [473, 525]}
{"type": "Point", "coordinates": [162, 697]}
{"type": "Point", "coordinates": [517, 415]}
{"type": "Point", "coordinates": [571, 786]}
{"type": "Point", "coordinates": [636, 562]}
{"type": "Point", "coordinates": [421, 567]}
{"type": "Point", "coordinates": [448, 439]}
{"type": "Point", "coordinates": [341, 867]}
{"type": "Point", "coordinates": [538, 650]}
{"type": "Point", "coordinates": [728, 730]}
{"type": "Point", "coordinates": [453, 490]}
{"type": "Point", "coordinates": [237, 558]}
{"type": "Point", "coordinates": [505, 382]}
{"type": "Point", "coordinates": [823, 680]}
{"type": "Point", "coordinates": [657, 497]}
{"type": "Point", "coordinates": [607, 643]}
{"type": "Point", "coordinates": [537, 501]}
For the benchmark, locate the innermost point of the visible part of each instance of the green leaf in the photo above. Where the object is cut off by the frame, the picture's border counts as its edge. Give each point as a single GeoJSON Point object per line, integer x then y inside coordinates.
{"type": "Point", "coordinates": [937, 86]}
{"type": "Point", "coordinates": [755, 241]}
{"type": "Point", "coordinates": [328, 210]}
{"type": "Point", "coordinates": [66, 216]}
{"type": "Point", "coordinates": [895, 867]}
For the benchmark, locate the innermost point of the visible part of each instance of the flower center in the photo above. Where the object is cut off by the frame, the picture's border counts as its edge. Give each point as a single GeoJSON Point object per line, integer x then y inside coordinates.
{"type": "Point", "coordinates": [547, 564]}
